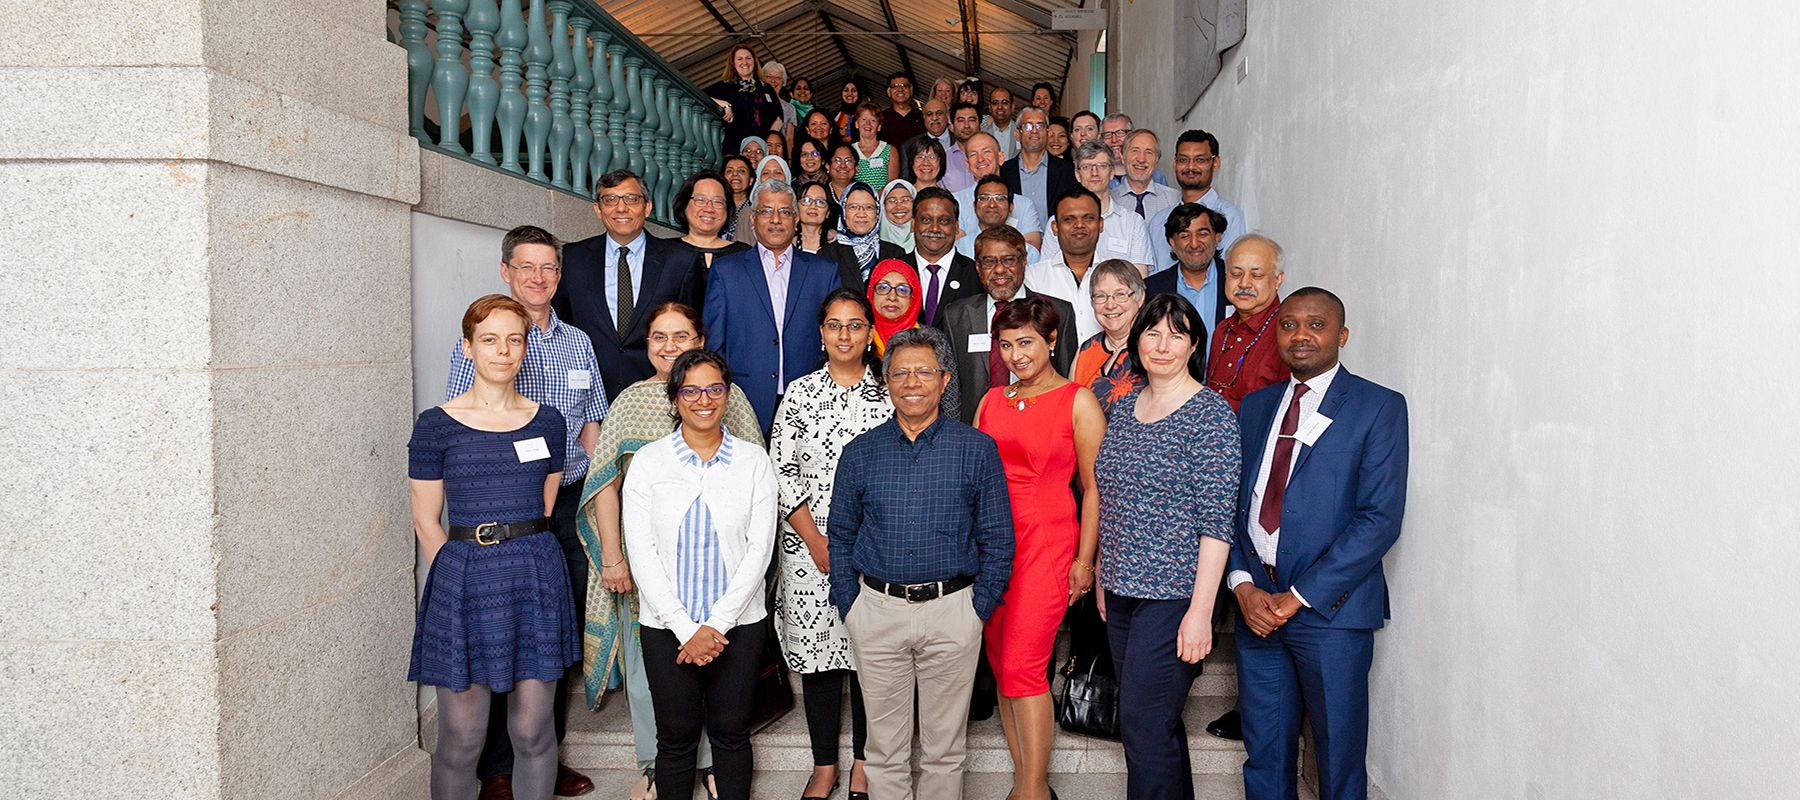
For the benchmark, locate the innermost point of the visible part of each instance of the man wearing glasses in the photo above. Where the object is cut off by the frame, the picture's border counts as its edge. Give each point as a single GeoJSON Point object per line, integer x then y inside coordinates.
{"type": "Point", "coordinates": [902, 121]}
{"type": "Point", "coordinates": [993, 208]}
{"type": "Point", "coordinates": [921, 540]}
{"type": "Point", "coordinates": [1113, 131]}
{"type": "Point", "coordinates": [611, 281]}
{"type": "Point", "coordinates": [760, 303]}
{"type": "Point", "coordinates": [1196, 164]}
{"type": "Point", "coordinates": [968, 321]}
{"type": "Point", "coordinates": [1035, 173]}
{"type": "Point", "coordinates": [558, 370]}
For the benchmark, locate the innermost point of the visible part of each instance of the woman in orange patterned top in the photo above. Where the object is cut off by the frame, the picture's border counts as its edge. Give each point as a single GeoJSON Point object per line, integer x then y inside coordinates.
{"type": "Point", "coordinates": [1103, 364]}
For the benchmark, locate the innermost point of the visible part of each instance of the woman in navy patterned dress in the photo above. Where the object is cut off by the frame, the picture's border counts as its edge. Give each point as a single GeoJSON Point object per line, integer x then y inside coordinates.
{"type": "Point", "coordinates": [496, 615]}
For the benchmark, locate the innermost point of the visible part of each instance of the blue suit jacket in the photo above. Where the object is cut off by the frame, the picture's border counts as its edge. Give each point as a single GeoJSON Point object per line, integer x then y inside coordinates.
{"type": "Point", "coordinates": [1343, 504]}
{"type": "Point", "coordinates": [740, 322]}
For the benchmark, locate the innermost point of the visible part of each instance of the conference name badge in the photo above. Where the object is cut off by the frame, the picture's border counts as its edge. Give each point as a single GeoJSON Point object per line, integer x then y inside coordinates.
{"type": "Point", "coordinates": [1313, 429]}
{"type": "Point", "coordinates": [580, 379]}
{"type": "Point", "coordinates": [532, 449]}
{"type": "Point", "coordinates": [981, 342]}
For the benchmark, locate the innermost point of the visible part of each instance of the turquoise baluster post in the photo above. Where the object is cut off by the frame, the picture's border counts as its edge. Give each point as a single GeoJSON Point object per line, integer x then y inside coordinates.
{"type": "Point", "coordinates": [653, 168]}
{"type": "Point", "coordinates": [484, 92]}
{"type": "Point", "coordinates": [665, 146]}
{"type": "Point", "coordinates": [562, 67]}
{"type": "Point", "coordinates": [578, 105]}
{"type": "Point", "coordinates": [449, 80]}
{"type": "Point", "coordinates": [419, 64]}
{"type": "Point", "coordinates": [634, 116]}
{"type": "Point", "coordinates": [537, 113]}
{"type": "Point", "coordinates": [621, 103]}
{"type": "Point", "coordinates": [715, 141]}
{"type": "Point", "coordinates": [512, 103]}
{"type": "Point", "coordinates": [603, 93]}
{"type": "Point", "coordinates": [678, 142]}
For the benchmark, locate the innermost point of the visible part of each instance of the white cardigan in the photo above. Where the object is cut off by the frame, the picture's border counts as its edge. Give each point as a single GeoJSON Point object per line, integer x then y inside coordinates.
{"type": "Point", "coordinates": [659, 488]}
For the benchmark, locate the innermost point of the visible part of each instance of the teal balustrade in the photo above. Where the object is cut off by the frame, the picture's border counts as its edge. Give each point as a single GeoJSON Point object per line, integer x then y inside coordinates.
{"type": "Point", "coordinates": [572, 93]}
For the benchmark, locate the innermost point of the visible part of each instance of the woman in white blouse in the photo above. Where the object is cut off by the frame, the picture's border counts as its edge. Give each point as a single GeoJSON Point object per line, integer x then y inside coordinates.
{"type": "Point", "coordinates": [820, 413]}
{"type": "Point", "coordinates": [698, 511]}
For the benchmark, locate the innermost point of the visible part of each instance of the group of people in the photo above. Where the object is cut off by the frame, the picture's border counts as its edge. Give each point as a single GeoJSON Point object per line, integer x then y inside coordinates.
{"type": "Point", "coordinates": [904, 457]}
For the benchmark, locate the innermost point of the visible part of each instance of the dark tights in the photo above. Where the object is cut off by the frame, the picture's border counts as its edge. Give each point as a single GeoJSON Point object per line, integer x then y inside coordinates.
{"type": "Point", "coordinates": [824, 694]}
{"type": "Point", "coordinates": [462, 728]}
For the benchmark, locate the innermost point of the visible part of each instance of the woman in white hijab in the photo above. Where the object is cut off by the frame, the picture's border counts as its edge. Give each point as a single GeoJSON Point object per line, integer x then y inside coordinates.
{"type": "Point", "coordinates": [896, 214]}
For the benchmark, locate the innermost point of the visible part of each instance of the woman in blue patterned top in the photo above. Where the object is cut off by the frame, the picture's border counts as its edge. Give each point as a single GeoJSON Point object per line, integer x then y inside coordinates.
{"type": "Point", "coordinates": [496, 615]}
{"type": "Point", "coordinates": [698, 511]}
{"type": "Point", "coordinates": [1168, 477]}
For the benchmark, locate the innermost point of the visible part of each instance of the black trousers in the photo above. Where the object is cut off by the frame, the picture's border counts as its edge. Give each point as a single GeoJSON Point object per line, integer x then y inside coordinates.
{"type": "Point", "coordinates": [824, 696]}
{"type": "Point", "coordinates": [1153, 690]}
{"type": "Point", "coordinates": [716, 696]}
{"type": "Point", "coordinates": [496, 754]}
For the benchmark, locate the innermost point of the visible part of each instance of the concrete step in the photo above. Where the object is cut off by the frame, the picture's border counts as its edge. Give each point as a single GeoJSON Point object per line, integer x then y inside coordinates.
{"type": "Point", "coordinates": [785, 785]}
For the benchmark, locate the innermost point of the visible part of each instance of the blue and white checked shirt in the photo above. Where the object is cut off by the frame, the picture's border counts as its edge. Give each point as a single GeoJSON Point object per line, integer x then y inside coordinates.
{"type": "Point", "coordinates": [555, 360]}
{"type": "Point", "coordinates": [699, 567]}
{"type": "Point", "coordinates": [919, 511]}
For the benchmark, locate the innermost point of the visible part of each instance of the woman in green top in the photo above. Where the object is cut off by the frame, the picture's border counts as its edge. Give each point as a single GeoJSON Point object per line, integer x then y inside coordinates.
{"type": "Point", "coordinates": [639, 415]}
{"type": "Point", "coordinates": [875, 163]}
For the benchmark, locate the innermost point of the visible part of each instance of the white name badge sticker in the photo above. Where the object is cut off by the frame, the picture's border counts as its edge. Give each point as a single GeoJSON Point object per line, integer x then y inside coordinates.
{"type": "Point", "coordinates": [981, 342]}
{"type": "Point", "coordinates": [532, 449]}
{"type": "Point", "coordinates": [1313, 429]}
{"type": "Point", "coordinates": [580, 379]}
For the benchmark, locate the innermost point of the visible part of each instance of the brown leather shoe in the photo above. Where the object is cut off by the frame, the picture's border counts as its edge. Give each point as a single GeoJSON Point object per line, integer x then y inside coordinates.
{"type": "Point", "coordinates": [497, 787]}
{"type": "Point", "coordinates": [570, 783]}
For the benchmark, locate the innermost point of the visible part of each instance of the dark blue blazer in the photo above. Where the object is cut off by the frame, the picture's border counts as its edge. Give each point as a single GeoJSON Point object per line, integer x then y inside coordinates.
{"type": "Point", "coordinates": [740, 322]}
{"type": "Point", "coordinates": [1343, 504]}
{"type": "Point", "coordinates": [672, 272]}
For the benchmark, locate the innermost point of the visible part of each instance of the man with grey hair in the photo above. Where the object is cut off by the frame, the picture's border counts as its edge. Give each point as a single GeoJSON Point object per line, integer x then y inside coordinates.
{"type": "Point", "coordinates": [1034, 172]}
{"type": "Point", "coordinates": [921, 540]}
{"type": "Point", "coordinates": [760, 303]}
{"type": "Point", "coordinates": [1139, 192]}
{"type": "Point", "coordinates": [1113, 131]}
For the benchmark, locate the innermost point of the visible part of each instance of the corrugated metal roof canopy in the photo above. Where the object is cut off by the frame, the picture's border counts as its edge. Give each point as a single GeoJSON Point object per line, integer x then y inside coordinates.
{"type": "Point", "coordinates": [1013, 45]}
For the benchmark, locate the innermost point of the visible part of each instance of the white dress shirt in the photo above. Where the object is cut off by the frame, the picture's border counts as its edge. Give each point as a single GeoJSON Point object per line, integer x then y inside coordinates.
{"type": "Point", "coordinates": [1268, 542]}
{"type": "Point", "coordinates": [924, 266]}
{"type": "Point", "coordinates": [1124, 236]}
{"type": "Point", "coordinates": [1053, 277]}
{"type": "Point", "coordinates": [658, 491]}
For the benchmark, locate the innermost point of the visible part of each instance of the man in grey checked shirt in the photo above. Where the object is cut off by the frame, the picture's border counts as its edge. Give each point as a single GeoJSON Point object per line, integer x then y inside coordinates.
{"type": "Point", "coordinates": [559, 370]}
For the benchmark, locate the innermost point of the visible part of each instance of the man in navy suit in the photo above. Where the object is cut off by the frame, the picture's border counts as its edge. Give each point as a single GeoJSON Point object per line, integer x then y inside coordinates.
{"type": "Point", "coordinates": [762, 304]}
{"type": "Point", "coordinates": [1322, 493]}
{"type": "Point", "coordinates": [613, 307]}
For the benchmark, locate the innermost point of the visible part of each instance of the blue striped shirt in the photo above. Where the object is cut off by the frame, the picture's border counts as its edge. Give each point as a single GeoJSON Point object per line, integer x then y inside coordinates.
{"type": "Point", "coordinates": [555, 362]}
{"type": "Point", "coordinates": [699, 567]}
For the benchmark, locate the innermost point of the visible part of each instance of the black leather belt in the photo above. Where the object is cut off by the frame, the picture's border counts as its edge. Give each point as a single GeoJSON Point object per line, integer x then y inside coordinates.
{"type": "Point", "coordinates": [920, 592]}
{"type": "Point", "coordinates": [494, 533]}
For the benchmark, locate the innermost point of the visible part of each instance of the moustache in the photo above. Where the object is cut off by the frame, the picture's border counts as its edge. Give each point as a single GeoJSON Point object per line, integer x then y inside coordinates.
{"type": "Point", "coordinates": [1245, 293]}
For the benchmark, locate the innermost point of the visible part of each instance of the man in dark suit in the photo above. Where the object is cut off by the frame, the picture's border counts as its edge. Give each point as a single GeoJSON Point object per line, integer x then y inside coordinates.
{"type": "Point", "coordinates": [948, 275]}
{"type": "Point", "coordinates": [1193, 232]}
{"type": "Point", "coordinates": [613, 309]}
{"type": "Point", "coordinates": [1322, 493]}
{"type": "Point", "coordinates": [1048, 176]}
{"type": "Point", "coordinates": [762, 303]}
{"type": "Point", "coordinates": [968, 321]}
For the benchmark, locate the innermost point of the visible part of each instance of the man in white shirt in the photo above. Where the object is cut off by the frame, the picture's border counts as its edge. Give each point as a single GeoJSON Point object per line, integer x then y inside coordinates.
{"type": "Point", "coordinates": [1068, 272]}
{"type": "Point", "coordinates": [947, 275]}
{"type": "Point", "coordinates": [1001, 122]}
{"type": "Point", "coordinates": [1126, 237]}
{"type": "Point", "coordinates": [984, 160]}
{"type": "Point", "coordinates": [1140, 194]}
{"type": "Point", "coordinates": [1196, 164]}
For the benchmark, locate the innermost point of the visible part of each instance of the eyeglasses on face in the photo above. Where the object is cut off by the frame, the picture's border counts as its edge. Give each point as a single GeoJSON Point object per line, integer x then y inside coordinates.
{"type": "Point", "coordinates": [1120, 297]}
{"type": "Point", "coordinates": [1111, 135]}
{"type": "Point", "coordinates": [1032, 126]}
{"type": "Point", "coordinates": [691, 394]}
{"type": "Point", "coordinates": [990, 262]}
{"type": "Point", "coordinates": [1095, 166]}
{"type": "Point", "coordinates": [991, 198]}
{"type": "Point", "coordinates": [854, 327]}
{"type": "Point", "coordinates": [533, 269]}
{"type": "Point", "coordinates": [681, 337]}
{"type": "Point", "coordinates": [926, 374]}
{"type": "Point", "coordinates": [903, 290]}
{"type": "Point", "coordinates": [784, 212]}
{"type": "Point", "coordinates": [630, 200]}
{"type": "Point", "coordinates": [707, 202]}
{"type": "Point", "coordinates": [813, 201]}
{"type": "Point", "coordinates": [843, 160]}
{"type": "Point", "coordinates": [859, 207]}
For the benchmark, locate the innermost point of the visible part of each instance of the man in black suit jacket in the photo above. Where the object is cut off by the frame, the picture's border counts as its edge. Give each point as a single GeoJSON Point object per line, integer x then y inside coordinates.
{"type": "Point", "coordinates": [1002, 265]}
{"type": "Point", "coordinates": [1193, 232]}
{"type": "Point", "coordinates": [935, 214]}
{"type": "Point", "coordinates": [1060, 175]}
{"type": "Point", "coordinates": [660, 271]}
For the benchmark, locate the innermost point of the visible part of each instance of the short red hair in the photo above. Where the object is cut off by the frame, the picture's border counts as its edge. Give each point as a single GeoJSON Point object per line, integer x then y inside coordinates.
{"type": "Point", "coordinates": [482, 308]}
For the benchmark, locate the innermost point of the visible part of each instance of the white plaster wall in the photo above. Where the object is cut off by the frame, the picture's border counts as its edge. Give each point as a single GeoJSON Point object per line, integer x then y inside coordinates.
{"type": "Point", "coordinates": [453, 264]}
{"type": "Point", "coordinates": [1566, 231]}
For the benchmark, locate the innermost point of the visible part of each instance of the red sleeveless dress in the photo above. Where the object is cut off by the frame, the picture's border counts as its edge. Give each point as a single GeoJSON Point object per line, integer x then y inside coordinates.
{"type": "Point", "coordinates": [1037, 446]}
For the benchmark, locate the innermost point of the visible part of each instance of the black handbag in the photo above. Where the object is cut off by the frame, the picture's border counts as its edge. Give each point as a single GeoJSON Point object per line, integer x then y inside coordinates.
{"type": "Point", "coordinates": [1089, 704]}
{"type": "Point", "coordinates": [772, 697]}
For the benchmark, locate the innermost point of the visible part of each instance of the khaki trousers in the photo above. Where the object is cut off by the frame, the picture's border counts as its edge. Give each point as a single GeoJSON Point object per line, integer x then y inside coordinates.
{"type": "Point", "coordinates": [933, 645]}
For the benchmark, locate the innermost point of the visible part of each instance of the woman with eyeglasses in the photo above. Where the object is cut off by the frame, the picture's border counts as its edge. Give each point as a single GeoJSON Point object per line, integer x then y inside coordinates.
{"type": "Point", "coordinates": [818, 215]}
{"type": "Point", "coordinates": [1048, 429]}
{"type": "Point", "coordinates": [809, 160]}
{"type": "Point", "coordinates": [754, 148]}
{"type": "Point", "coordinates": [698, 513]}
{"type": "Point", "coordinates": [1103, 364]}
{"type": "Point", "coordinates": [859, 244]}
{"type": "Point", "coordinates": [841, 167]}
{"type": "Point", "coordinates": [922, 161]}
{"type": "Point", "coordinates": [897, 297]}
{"type": "Point", "coordinates": [702, 206]}
{"type": "Point", "coordinates": [820, 413]}
{"type": "Point", "coordinates": [875, 162]}
{"type": "Point", "coordinates": [896, 214]}
{"type": "Point", "coordinates": [640, 414]}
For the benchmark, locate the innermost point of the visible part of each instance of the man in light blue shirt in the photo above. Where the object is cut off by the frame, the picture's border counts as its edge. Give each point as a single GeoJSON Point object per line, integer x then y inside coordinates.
{"type": "Point", "coordinates": [1196, 164]}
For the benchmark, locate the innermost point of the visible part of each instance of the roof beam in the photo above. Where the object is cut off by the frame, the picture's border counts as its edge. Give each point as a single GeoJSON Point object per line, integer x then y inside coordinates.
{"type": "Point", "coordinates": [843, 51]}
{"type": "Point", "coordinates": [887, 11]}
{"type": "Point", "coordinates": [724, 44]}
{"type": "Point", "coordinates": [1030, 13]}
{"type": "Point", "coordinates": [966, 10]}
{"type": "Point", "coordinates": [920, 48]}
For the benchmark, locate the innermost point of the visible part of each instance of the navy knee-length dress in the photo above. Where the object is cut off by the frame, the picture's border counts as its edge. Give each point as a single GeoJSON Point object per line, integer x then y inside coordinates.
{"type": "Point", "coordinates": [494, 614]}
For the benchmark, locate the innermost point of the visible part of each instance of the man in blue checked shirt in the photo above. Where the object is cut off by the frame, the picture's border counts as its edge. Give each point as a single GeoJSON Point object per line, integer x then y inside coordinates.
{"type": "Point", "coordinates": [558, 370]}
{"type": "Point", "coordinates": [921, 531]}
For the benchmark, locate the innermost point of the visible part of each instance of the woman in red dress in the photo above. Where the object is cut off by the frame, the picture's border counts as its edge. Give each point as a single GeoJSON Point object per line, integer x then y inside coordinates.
{"type": "Point", "coordinates": [1048, 429]}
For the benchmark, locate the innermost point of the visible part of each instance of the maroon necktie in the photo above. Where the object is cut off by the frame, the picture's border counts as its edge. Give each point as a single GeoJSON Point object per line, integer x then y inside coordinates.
{"type": "Point", "coordinates": [997, 372]}
{"type": "Point", "coordinates": [1278, 471]}
{"type": "Point", "coordinates": [928, 314]}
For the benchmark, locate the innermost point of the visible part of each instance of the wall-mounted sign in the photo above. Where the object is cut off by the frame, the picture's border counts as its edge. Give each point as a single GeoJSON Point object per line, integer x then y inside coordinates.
{"type": "Point", "coordinates": [1078, 19]}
